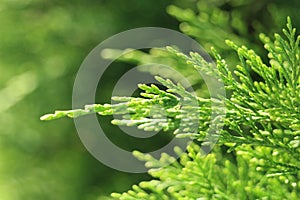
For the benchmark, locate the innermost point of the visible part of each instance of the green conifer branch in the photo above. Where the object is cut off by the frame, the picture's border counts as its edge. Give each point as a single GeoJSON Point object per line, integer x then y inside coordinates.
{"type": "Point", "coordinates": [262, 126]}
{"type": "Point", "coordinates": [196, 176]}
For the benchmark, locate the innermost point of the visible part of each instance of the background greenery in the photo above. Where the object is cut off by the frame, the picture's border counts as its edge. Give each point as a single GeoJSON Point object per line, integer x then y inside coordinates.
{"type": "Point", "coordinates": [42, 44]}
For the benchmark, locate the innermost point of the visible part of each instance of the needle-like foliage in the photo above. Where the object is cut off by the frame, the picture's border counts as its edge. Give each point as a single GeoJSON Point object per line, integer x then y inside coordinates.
{"type": "Point", "coordinates": [261, 127]}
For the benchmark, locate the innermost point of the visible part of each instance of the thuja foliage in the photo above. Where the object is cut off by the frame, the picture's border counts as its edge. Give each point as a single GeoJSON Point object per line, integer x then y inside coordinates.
{"type": "Point", "coordinates": [261, 129]}
{"type": "Point", "coordinates": [213, 21]}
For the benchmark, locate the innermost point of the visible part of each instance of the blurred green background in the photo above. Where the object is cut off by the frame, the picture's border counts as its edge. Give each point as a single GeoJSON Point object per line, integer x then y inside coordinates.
{"type": "Point", "coordinates": [42, 44]}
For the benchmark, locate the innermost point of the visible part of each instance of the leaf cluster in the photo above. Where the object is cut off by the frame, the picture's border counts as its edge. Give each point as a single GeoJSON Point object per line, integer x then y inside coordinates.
{"type": "Point", "coordinates": [261, 127]}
